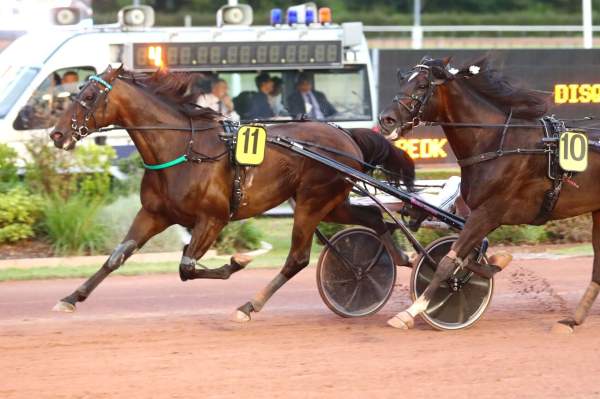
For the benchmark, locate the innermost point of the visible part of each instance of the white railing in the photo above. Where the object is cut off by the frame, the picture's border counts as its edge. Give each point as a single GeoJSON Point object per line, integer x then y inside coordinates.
{"type": "Point", "coordinates": [418, 31]}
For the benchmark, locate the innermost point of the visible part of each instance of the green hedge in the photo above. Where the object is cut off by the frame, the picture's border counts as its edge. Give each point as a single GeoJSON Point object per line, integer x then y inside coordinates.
{"type": "Point", "coordinates": [73, 226]}
{"type": "Point", "coordinates": [19, 212]}
{"type": "Point", "coordinates": [239, 236]}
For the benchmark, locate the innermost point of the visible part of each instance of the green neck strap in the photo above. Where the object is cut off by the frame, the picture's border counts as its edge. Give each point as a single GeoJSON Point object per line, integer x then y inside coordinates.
{"type": "Point", "coordinates": [166, 165]}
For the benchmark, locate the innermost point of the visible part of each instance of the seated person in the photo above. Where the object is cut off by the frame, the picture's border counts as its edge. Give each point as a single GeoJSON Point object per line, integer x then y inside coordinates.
{"type": "Point", "coordinates": [275, 97]}
{"type": "Point", "coordinates": [260, 107]}
{"type": "Point", "coordinates": [243, 102]}
{"type": "Point", "coordinates": [218, 99]}
{"type": "Point", "coordinates": [307, 101]}
{"type": "Point", "coordinates": [70, 77]}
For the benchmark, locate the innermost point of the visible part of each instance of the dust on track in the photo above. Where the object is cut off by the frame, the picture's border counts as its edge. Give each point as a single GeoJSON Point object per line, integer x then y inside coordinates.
{"type": "Point", "coordinates": [155, 337]}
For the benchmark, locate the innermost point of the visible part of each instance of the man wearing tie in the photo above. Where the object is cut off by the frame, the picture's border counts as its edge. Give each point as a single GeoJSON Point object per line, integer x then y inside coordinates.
{"type": "Point", "coordinates": [218, 99]}
{"type": "Point", "coordinates": [260, 107]}
{"type": "Point", "coordinates": [307, 101]}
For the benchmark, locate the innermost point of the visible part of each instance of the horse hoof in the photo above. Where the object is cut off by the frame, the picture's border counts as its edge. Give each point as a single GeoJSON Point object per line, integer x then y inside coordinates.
{"type": "Point", "coordinates": [64, 307]}
{"type": "Point", "coordinates": [402, 321]}
{"type": "Point", "coordinates": [562, 328]}
{"type": "Point", "coordinates": [241, 259]}
{"type": "Point", "coordinates": [240, 317]}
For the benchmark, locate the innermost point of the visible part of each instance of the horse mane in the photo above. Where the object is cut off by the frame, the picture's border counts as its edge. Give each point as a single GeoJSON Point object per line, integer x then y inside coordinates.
{"type": "Point", "coordinates": [499, 90]}
{"type": "Point", "coordinates": [175, 89]}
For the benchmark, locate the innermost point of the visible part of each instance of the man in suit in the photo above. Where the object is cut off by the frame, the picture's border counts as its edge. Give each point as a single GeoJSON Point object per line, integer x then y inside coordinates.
{"type": "Point", "coordinates": [307, 101]}
{"type": "Point", "coordinates": [218, 99]}
{"type": "Point", "coordinates": [260, 107]}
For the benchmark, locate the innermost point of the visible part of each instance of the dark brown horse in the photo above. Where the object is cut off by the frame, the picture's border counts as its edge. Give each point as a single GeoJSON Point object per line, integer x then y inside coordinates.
{"type": "Point", "coordinates": [506, 188]}
{"type": "Point", "coordinates": [198, 193]}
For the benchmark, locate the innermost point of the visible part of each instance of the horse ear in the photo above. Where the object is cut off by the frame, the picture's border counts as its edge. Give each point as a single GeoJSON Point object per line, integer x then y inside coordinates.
{"type": "Point", "coordinates": [446, 60]}
{"type": "Point", "coordinates": [424, 60]}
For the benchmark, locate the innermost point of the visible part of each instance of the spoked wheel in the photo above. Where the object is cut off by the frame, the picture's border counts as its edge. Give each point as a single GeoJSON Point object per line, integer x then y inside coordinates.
{"type": "Point", "coordinates": [356, 277]}
{"type": "Point", "coordinates": [461, 300]}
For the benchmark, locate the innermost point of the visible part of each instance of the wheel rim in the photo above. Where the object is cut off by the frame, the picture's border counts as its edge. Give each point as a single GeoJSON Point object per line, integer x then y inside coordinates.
{"type": "Point", "coordinates": [450, 309]}
{"type": "Point", "coordinates": [366, 289]}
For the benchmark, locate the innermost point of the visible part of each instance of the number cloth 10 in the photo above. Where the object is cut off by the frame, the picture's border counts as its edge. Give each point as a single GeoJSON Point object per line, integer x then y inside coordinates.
{"type": "Point", "coordinates": [250, 146]}
{"type": "Point", "coordinates": [573, 151]}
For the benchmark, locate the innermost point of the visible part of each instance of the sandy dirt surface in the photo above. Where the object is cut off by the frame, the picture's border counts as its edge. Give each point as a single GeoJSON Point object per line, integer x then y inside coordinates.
{"type": "Point", "coordinates": [156, 337]}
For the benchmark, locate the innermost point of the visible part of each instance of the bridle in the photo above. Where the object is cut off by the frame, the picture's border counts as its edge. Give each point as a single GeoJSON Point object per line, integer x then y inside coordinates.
{"type": "Point", "coordinates": [102, 88]}
{"type": "Point", "coordinates": [416, 105]}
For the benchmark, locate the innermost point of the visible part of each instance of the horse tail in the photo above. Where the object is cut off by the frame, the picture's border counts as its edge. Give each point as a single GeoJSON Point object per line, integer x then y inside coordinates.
{"type": "Point", "coordinates": [377, 150]}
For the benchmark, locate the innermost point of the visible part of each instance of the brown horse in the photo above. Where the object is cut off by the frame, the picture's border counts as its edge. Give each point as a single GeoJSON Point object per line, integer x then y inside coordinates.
{"type": "Point", "coordinates": [197, 193]}
{"type": "Point", "coordinates": [504, 187]}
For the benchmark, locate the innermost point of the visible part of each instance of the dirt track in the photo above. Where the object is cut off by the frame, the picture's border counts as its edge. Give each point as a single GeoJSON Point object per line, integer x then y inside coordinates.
{"type": "Point", "coordinates": [155, 337]}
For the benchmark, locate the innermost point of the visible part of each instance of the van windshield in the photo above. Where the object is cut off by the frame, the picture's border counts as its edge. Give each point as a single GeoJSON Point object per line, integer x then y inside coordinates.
{"type": "Point", "coordinates": [13, 81]}
{"type": "Point", "coordinates": [326, 94]}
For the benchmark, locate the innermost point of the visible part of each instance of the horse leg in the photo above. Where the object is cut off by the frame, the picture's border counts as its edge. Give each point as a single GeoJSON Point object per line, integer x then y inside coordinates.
{"type": "Point", "coordinates": [205, 232]}
{"type": "Point", "coordinates": [371, 217]}
{"type": "Point", "coordinates": [586, 302]}
{"type": "Point", "coordinates": [306, 219]}
{"type": "Point", "coordinates": [479, 224]}
{"type": "Point", "coordinates": [144, 226]}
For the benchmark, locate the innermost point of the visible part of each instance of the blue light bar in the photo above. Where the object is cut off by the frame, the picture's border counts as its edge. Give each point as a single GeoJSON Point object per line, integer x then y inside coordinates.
{"type": "Point", "coordinates": [276, 16]}
{"type": "Point", "coordinates": [292, 17]}
{"type": "Point", "coordinates": [310, 16]}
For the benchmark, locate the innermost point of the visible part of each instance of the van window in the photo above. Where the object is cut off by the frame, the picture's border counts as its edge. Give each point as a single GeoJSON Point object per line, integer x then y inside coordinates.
{"type": "Point", "coordinates": [52, 98]}
{"type": "Point", "coordinates": [13, 80]}
{"type": "Point", "coordinates": [337, 95]}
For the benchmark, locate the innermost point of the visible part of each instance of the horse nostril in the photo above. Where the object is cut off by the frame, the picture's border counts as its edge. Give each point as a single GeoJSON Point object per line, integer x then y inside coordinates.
{"type": "Point", "coordinates": [56, 135]}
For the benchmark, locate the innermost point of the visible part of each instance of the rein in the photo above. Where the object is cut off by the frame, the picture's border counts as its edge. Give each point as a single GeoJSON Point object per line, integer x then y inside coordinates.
{"type": "Point", "coordinates": [81, 131]}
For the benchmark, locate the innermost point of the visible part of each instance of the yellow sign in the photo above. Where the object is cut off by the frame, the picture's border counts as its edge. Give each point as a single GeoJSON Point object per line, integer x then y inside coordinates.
{"type": "Point", "coordinates": [577, 93]}
{"type": "Point", "coordinates": [573, 151]}
{"type": "Point", "coordinates": [423, 148]}
{"type": "Point", "coordinates": [250, 146]}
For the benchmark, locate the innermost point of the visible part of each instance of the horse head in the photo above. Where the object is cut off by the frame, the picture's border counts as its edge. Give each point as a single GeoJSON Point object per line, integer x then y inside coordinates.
{"type": "Point", "coordinates": [89, 111]}
{"type": "Point", "coordinates": [416, 97]}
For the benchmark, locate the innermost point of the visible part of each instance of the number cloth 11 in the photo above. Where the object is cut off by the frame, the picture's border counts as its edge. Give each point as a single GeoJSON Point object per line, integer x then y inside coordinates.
{"type": "Point", "coordinates": [573, 151]}
{"type": "Point", "coordinates": [250, 145]}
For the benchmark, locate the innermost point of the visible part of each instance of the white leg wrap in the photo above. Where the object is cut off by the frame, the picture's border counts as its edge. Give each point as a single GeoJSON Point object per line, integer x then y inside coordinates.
{"type": "Point", "coordinates": [418, 306]}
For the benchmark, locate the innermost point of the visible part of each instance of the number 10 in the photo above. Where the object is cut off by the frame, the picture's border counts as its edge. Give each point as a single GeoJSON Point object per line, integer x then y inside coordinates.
{"type": "Point", "coordinates": [570, 146]}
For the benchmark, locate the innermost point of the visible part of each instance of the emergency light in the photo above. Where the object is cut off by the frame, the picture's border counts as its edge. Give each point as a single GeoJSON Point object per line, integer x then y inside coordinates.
{"type": "Point", "coordinates": [310, 16]}
{"type": "Point", "coordinates": [276, 17]}
{"type": "Point", "coordinates": [292, 16]}
{"type": "Point", "coordinates": [325, 15]}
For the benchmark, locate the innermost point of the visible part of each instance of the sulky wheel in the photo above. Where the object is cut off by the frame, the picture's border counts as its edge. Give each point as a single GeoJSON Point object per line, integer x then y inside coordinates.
{"type": "Point", "coordinates": [356, 275]}
{"type": "Point", "coordinates": [461, 300]}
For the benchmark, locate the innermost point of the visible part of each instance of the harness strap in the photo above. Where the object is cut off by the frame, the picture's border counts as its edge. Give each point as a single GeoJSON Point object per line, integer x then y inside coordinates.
{"type": "Point", "coordinates": [548, 203]}
{"type": "Point", "coordinates": [103, 82]}
{"type": "Point", "coordinates": [488, 156]}
{"type": "Point", "coordinates": [166, 165]}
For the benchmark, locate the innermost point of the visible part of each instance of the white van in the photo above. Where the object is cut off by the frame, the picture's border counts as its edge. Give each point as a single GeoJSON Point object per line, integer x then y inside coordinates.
{"type": "Point", "coordinates": [41, 70]}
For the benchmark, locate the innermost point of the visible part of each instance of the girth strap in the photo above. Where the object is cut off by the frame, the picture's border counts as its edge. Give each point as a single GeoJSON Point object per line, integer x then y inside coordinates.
{"type": "Point", "coordinates": [237, 194]}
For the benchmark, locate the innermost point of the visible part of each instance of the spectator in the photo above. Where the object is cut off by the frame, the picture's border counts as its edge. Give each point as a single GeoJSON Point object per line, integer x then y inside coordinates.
{"type": "Point", "coordinates": [70, 77]}
{"type": "Point", "coordinates": [218, 99]}
{"type": "Point", "coordinates": [275, 100]}
{"type": "Point", "coordinates": [260, 107]}
{"type": "Point", "coordinates": [307, 101]}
